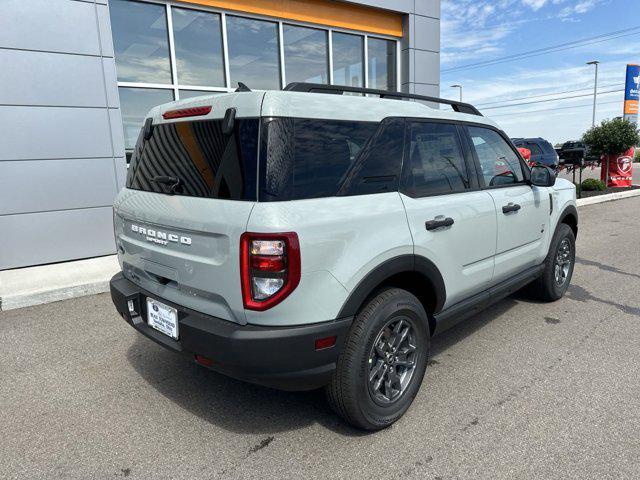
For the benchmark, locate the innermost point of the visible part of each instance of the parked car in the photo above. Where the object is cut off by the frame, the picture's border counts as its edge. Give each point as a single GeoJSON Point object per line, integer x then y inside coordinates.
{"type": "Point", "coordinates": [300, 240]}
{"type": "Point", "coordinates": [542, 152]}
{"type": "Point", "coordinates": [576, 153]}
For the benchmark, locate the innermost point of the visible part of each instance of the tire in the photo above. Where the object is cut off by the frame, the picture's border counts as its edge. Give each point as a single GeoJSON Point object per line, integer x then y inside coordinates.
{"type": "Point", "coordinates": [548, 288]}
{"type": "Point", "coordinates": [350, 393]}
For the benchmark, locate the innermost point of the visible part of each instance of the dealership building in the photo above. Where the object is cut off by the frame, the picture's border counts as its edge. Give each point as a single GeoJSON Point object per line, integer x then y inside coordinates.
{"type": "Point", "coordinates": [77, 78]}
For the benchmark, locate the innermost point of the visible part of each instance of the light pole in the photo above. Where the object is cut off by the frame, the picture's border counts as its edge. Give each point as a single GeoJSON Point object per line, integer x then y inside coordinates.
{"type": "Point", "coordinates": [457, 85]}
{"type": "Point", "coordinates": [595, 91]}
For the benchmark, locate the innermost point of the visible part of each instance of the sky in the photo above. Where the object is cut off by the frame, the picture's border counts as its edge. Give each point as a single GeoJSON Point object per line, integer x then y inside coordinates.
{"type": "Point", "coordinates": [475, 31]}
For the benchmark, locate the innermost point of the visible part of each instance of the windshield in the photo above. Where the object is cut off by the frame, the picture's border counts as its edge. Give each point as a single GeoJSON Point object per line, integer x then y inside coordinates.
{"type": "Point", "coordinates": [196, 159]}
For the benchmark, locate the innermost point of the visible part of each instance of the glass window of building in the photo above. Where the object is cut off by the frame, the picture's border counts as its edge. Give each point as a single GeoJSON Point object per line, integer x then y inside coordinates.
{"type": "Point", "coordinates": [195, 93]}
{"type": "Point", "coordinates": [382, 63]}
{"type": "Point", "coordinates": [348, 59]}
{"type": "Point", "coordinates": [198, 46]}
{"type": "Point", "coordinates": [140, 41]}
{"type": "Point", "coordinates": [306, 54]}
{"type": "Point", "coordinates": [253, 53]}
{"type": "Point", "coordinates": [135, 103]}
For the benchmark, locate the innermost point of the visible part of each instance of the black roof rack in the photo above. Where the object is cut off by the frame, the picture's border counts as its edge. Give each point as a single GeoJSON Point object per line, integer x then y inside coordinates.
{"type": "Point", "coordinates": [459, 107]}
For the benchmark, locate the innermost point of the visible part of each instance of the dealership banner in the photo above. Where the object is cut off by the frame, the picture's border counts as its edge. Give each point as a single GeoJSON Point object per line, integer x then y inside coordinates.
{"type": "Point", "coordinates": [631, 93]}
{"type": "Point", "coordinates": [620, 169]}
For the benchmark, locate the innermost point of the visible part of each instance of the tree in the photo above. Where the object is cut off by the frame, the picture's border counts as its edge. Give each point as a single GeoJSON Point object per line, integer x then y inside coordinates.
{"type": "Point", "coordinates": [612, 137]}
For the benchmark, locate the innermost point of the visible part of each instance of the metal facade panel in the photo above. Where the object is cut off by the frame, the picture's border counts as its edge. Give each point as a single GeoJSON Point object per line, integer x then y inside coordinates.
{"type": "Point", "coordinates": [49, 25]}
{"type": "Point", "coordinates": [42, 78]}
{"type": "Point", "coordinates": [56, 184]}
{"type": "Point", "coordinates": [32, 133]}
{"type": "Point", "coordinates": [38, 238]}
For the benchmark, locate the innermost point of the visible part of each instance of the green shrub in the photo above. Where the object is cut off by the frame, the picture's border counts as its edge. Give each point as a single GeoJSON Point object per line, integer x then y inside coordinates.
{"type": "Point", "coordinates": [636, 157]}
{"type": "Point", "coordinates": [611, 137]}
{"type": "Point", "coordinates": [592, 184]}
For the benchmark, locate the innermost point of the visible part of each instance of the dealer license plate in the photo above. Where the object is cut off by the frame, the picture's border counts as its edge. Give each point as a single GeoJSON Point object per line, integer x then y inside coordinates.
{"type": "Point", "coordinates": [162, 317]}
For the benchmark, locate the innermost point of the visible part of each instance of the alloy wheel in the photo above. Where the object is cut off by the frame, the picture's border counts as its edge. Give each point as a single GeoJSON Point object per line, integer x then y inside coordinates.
{"type": "Point", "coordinates": [392, 361]}
{"type": "Point", "coordinates": [563, 262]}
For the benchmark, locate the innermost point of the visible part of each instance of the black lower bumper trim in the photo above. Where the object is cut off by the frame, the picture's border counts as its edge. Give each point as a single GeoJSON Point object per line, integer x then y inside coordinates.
{"type": "Point", "coordinates": [278, 357]}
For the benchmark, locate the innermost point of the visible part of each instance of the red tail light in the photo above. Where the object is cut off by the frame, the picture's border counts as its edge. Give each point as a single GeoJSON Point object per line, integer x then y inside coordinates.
{"type": "Point", "coordinates": [269, 268]}
{"type": "Point", "coordinates": [186, 112]}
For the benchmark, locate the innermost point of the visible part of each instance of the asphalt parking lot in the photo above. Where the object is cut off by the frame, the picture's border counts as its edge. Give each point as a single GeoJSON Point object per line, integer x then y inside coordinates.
{"type": "Point", "coordinates": [525, 390]}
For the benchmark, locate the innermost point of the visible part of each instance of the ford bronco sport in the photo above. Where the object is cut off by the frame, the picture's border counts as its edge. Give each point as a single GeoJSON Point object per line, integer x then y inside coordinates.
{"type": "Point", "coordinates": [304, 238]}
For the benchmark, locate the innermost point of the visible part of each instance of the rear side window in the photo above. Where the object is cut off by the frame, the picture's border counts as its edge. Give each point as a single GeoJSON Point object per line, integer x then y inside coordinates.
{"type": "Point", "coordinates": [548, 148]}
{"type": "Point", "coordinates": [499, 164]}
{"type": "Point", "coordinates": [309, 158]}
{"type": "Point", "coordinates": [378, 166]}
{"type": "Point", "coordinates": [196, 159]}
{"type": "Point", "coordinates": [434, 161]}
{"type": "Point", "coordinates": [535, 149]}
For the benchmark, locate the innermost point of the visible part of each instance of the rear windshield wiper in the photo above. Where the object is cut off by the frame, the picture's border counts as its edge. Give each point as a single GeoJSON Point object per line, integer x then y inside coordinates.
{"type": "Point", "coordinates": [174, 183]}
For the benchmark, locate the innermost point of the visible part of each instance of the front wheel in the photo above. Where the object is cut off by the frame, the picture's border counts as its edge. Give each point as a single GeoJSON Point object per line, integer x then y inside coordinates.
{"type": "Point", "coordinates": [384, 359]}
{"type": "Point", "coordinates": [558, 266]}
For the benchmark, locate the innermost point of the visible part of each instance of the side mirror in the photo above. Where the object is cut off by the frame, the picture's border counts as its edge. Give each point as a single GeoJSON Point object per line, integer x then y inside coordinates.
{"type": "Point", "coordinates": [542, 176]}
{"type": "Point", "coordinates": [229, 120]}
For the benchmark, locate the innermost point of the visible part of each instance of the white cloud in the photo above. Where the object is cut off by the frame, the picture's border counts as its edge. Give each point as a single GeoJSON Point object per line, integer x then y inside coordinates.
{"type": "Point", "coordinates": [554, 125]}
{"type": "Point", "coordinates": [570, 12]}
{"type": "Point", "coordinates": [535, 4]}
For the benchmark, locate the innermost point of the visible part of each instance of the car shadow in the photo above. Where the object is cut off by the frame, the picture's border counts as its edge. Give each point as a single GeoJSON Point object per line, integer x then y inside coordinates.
{"type": "Point", "coordinates": [228, 403]}
{"type": "Point", "coordinates": [245, 408]}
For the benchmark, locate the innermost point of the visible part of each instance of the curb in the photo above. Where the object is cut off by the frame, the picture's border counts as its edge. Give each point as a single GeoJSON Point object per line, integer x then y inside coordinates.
{"type": "Point", "coordinates": [582, 202]}
{"type": "Point", "coordinates": [25, 287]}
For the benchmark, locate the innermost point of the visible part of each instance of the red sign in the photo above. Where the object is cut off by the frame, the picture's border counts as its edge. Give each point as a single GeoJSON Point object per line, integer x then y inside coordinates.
{"type": "Point", "coordinates": [620, 169]}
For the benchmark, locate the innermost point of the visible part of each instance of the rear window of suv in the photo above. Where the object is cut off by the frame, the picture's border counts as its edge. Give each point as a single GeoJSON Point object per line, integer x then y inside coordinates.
{"type": "Point", "coordinates": [196, 159]}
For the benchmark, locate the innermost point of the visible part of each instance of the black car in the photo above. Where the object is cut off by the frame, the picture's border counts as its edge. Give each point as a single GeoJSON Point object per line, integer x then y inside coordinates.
{"type": "Point", "coordinates": [576, 153]}
{"type": "Point", "coordinates": [542, 152]}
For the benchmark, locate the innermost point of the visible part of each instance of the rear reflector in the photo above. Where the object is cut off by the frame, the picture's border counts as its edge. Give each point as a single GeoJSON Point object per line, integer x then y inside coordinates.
{"type": "Point", "coordinates": [186, 112]}
{"type": "Point", "coordinates": [267, 263]}
{"type": "Point", "coordinates": [207, 362]}
{"type": "Point", "coordinates": [327, 342]}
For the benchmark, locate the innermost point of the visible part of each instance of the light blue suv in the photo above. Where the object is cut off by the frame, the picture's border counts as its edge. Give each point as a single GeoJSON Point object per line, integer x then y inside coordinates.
{"type": "Point", "coordinates": [302, 238]}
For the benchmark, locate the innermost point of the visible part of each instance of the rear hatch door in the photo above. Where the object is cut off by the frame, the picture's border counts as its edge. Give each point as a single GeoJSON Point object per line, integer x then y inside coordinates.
{"type": "Point", "coordinates": [190, 191]}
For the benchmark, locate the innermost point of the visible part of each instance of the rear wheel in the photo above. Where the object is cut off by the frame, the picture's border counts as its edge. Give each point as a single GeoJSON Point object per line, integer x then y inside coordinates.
{"type": "Point", "coordinates": [558, 266]}
{"type": "Point", "coordinates": [384, 359]}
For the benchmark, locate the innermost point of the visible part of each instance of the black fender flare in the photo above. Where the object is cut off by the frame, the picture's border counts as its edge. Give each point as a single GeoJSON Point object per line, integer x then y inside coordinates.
{"type": "Point", "coordinates": [389, 268]}
{"type": "Point", "coordinates": [569, 210]}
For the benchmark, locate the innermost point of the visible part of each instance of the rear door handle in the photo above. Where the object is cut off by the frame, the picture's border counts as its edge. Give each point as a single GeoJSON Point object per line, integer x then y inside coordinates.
{"type": "Point", "coordinates": [440, 222]}
{"type": "Point", "coordinates": [510, 207]}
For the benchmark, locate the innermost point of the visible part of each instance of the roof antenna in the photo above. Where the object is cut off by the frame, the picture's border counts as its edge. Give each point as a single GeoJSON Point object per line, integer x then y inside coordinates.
{"type": "Point", "coordinates": [242, 88]}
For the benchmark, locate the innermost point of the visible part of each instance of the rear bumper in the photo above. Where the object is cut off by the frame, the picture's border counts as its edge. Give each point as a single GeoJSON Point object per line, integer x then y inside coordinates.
{"type": "Point", "coordinates": [278, 357]}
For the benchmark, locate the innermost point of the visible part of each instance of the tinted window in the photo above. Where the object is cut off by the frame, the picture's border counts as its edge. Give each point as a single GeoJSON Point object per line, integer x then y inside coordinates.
{"type": "Point", "coordinates": [348, 59]}
{"type": "Point", "coordinates": [253, 53]}
{"type": "Point", "coordinates": [306, 56]}
{"type": "Point", "coordinates": [309, 158]}
{"type": "Point", "coordinates": [535, 149]}
{"type": "Point", "coordinates": [140, 41]}
{"type": "Point", "coordinates": [382, 63]}
{"type": "Point", "coordinates": [198, 45]}
{"type": "Point", "coordinates": [201, 160]}
{"type": "Point", "coordinates": [434, 162]}
{"type": "Point", "coordinates": [498, 162]}
{"type": "Point", "coordinates": [377, 168]}
{"type": "Point", "coordinates": [547, 148]}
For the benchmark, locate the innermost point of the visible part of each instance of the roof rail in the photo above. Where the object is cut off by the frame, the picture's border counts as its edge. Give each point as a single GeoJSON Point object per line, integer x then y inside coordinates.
{"type": "Point", "coordinates": [459, 107]}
